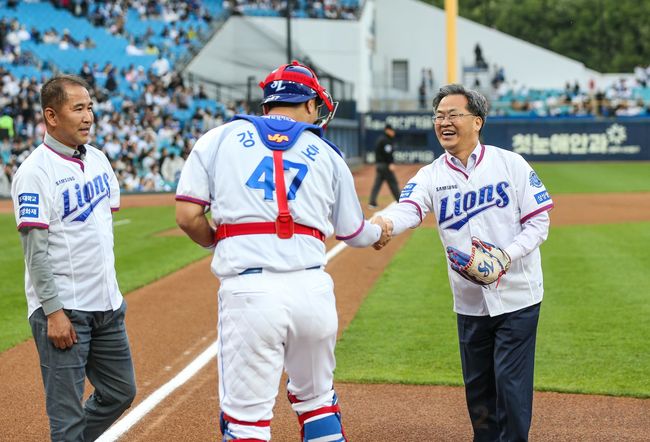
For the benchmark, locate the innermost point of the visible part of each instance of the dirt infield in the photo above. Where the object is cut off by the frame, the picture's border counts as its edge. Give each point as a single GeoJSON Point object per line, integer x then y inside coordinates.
{"type": "Point", "coordinates": [174, 319]}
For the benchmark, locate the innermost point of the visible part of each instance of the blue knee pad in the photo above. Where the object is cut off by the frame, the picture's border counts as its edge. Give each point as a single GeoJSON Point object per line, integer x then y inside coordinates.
{"type": "Point", "coordinates": [325, 429]}
{"type": "Point", "coordinates": [324, 423]}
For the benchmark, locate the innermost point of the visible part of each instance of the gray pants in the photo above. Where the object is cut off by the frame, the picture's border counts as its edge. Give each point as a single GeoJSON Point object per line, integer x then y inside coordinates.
{"type": "Point", "coordinates": [103, 354]}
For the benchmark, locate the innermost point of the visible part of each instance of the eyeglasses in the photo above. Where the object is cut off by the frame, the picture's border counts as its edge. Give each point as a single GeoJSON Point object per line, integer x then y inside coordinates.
{"type": "Point", "coordinates": [438, 119]}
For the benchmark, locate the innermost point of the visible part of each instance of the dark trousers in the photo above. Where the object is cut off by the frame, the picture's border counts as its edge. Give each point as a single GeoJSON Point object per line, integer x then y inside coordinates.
{"type": "Point", "coordinates": [498, 360]}
{"type": "Point", "coordinates": [384, 174]}
{"type": "Point", "coordinates": [102, 353]}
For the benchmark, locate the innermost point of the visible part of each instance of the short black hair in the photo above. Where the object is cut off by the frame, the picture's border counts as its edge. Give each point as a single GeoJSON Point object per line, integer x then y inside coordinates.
{"type": "Point", "coordinates": [53, 93]}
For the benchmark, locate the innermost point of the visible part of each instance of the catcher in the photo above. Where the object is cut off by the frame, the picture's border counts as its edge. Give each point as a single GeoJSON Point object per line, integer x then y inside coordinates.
{"type": "Point", "coordinates": [482, 193]}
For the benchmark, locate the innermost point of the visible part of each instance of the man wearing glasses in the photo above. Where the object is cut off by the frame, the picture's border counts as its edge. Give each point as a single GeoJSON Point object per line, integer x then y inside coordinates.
{"type": "Point", "coordinates": [492, 215]}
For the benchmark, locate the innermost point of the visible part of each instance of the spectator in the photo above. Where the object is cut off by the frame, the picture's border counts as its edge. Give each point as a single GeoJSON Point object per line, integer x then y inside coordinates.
{"type": "Point", "coordinates": [171, 167]}
{"type": "Point", "coordinates": [5, 183]}
{"type": "Point", "coordinates": [479, 61]}
{"type": "Point", "coordinates": [111, 81]}
{"type": "Point", "coordinates": [161, 66]}
{"type": "Point", "coordinates": [87, 74]}
{"type": "Point", "coordinates": [88, 43]}
{"type": "Point", "coordinates": [35, 35]}
{"type": "Point", "coordinates": [6, 130]}
{"type": "Point", "coordinates": [422, 95]}
{"type": "Point", "coordinates": [133, 49]}
{"type": "Point", "coordinates": [154, 182]}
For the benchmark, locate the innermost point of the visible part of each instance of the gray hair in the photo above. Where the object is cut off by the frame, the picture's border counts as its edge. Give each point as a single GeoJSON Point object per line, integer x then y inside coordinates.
{"type": "Point", "coordinates": [476, 103]}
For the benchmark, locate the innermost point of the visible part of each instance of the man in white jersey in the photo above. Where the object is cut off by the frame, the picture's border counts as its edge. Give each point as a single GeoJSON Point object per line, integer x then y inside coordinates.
{"type": "Point", "coordinates": [64, 194]}
{"type": "Point", "coordinates": [493, 195]}
{"type": "Point", "coordinates": [276, 189]}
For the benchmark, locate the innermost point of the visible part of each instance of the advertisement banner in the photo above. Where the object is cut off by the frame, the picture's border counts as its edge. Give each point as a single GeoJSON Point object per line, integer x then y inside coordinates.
{"type": "Point", "coordinates": [572, 139]}
{"type": "Point", "coordinates": [536, 139]}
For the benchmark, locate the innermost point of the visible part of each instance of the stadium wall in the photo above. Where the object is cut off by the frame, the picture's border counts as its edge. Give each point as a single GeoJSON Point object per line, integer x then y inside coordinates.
{"type": "Point", "coordinates": [537, 139]}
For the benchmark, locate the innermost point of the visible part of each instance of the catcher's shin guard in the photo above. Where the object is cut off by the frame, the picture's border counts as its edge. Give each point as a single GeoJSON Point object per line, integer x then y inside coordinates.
{"type": "Point", "coordinates": [225, 425]}
{"type": "Point", "coordinates": [322, 424]}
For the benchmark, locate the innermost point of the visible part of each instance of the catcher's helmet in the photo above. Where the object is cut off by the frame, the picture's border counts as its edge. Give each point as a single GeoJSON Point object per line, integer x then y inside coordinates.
{"type": "Point", "coordinates": [296, 83]}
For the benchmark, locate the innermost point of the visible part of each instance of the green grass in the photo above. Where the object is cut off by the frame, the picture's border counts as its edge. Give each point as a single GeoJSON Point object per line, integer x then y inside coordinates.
{"type": "Point", "coordinates": [14, 327]}
{"type": "Point", "coordinates": [595, 177]}
{"type": "Point", "coordinates": [594, 327]}
{"type": "Point", "coordinates": [404, 332]}
{"type": "Point", "coordinates": [141, 257]}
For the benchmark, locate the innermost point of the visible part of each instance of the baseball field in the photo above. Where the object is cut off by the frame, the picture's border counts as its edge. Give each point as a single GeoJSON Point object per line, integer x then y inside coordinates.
{"type": "Point", "coordinates": [398, 372]}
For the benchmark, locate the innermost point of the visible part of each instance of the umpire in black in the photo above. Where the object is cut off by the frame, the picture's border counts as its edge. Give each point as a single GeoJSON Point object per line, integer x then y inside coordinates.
{"type": "Point", "coordinates": [384, 162]}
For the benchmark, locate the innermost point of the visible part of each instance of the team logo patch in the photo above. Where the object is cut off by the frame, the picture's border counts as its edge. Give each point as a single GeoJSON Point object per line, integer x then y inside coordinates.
{"type": "Point", "coordinates": [486, 268]}
{"type": "Point", "coordinates": [542, 196]}
{"type": "Point", "coordinates": [28, 198]}
{"type": "Point", "coordinates": [534, 179]}
{"type": "Point", "coordinates": [29, 212]}
{"type": "Point", "coordinates": [407, 191]}
{"type": "Point", "coordinates": [278, 138]}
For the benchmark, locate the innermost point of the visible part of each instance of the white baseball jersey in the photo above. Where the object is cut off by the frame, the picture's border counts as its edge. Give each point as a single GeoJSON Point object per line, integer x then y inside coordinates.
{"type": "Point", "coordinates": [231, 170]}
{"type": "Point", "coordinates": [73, 199]}
{"type": "Point", "coordinates": [276, 303]}
{"type": "Point", "coordinates": [501, 201]}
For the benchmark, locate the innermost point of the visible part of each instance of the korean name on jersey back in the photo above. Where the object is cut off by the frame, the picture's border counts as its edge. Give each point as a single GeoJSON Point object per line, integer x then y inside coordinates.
{"type": "Point", "coordinates": [457, 212]}
{"type": "Point", "coordinates": [84, 199]}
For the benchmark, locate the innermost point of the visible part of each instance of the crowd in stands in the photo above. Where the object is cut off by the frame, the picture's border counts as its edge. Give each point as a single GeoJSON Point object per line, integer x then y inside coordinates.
{"type": "Point", "coordinates": [146, 119]}
{"type": "Point", "coordinates": [328, 9]}
{"type": "Point", "coordinates": [112, 13]}
{"type": "Point", "coordinates": [144, 141]}
{"type": "Point", "coordinates": [626, 97]}
{"type": "Point", "coordinates": [622, 98]}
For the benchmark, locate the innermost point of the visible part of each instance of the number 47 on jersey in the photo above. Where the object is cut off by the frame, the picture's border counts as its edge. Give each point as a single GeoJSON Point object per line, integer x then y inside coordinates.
{"type": "Point", "coordinates": [262, 177]}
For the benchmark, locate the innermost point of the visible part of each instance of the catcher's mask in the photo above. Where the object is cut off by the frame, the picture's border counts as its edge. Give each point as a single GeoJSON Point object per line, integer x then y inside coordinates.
{"type": "Point", "coordinates": [296, 83]}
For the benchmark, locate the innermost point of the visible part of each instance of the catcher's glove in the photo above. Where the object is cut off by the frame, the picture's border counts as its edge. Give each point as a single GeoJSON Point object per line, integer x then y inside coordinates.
{"type": "Point", "coordinates": [485, 265]}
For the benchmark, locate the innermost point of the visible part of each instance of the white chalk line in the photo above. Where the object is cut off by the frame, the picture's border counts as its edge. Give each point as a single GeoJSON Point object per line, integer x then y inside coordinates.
{"type": "Point", "coordinates": [155, 398]}
{"type": "Point", "coordinates": [144, 407]}
{"type": "Point", "coordinates": [121, 222]}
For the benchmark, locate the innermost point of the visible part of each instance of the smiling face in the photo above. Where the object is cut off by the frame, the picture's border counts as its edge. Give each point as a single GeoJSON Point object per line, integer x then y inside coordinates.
{"type": "Point", "coordinates": [71, 122]}
{"type": "Point", "coordinates": [460, 136]}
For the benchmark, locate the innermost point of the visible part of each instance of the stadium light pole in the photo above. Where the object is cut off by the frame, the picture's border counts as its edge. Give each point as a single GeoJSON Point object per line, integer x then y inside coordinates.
{"type": "Point", "coordinates": [451, 11]}
{"type": "Point", "coordinates": [289, 51]}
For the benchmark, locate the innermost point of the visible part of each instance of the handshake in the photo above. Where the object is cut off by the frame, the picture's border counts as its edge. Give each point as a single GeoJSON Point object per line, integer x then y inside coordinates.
{"type": "Point", "coordinates": [386, 231]}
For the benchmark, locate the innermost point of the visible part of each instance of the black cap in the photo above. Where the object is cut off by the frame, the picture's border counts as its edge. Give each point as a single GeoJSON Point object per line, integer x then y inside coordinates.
{"type": "Point", "coordinates": [387, 126]}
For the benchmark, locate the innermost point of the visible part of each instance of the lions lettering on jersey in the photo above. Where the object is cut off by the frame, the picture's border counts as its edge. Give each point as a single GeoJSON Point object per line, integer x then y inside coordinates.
{"type": "Point", "coordinates": [92, 193]}
{"type": "Point", "coordinates": [469, 204]}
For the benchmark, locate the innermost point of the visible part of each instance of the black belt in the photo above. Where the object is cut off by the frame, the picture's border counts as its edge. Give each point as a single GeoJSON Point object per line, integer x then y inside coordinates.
{"type": "Point", "coordinates": [253, 270]}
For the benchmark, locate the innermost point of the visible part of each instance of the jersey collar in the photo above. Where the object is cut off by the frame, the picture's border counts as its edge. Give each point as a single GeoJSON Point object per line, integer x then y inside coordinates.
{"type": "Point", "coordinates": [278, 117]}
{"type": "Point", "coordinates": [473, 161]}
{"type": "Point", "coordinates": [61, 149]}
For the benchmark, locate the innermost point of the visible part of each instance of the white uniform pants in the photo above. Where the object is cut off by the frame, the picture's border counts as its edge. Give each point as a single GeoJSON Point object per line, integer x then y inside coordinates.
{"type": "Point", "coordinates": [268, 321]}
